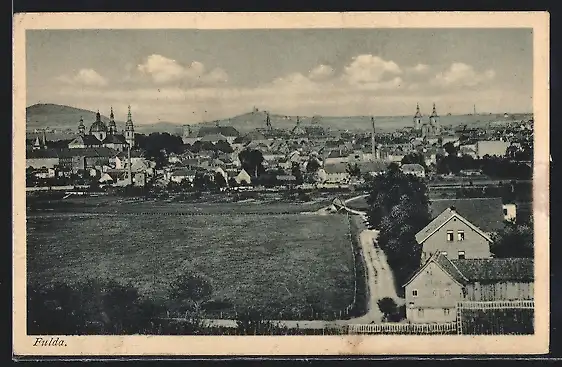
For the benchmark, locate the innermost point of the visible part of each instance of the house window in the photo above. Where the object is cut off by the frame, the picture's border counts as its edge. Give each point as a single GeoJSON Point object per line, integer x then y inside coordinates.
{"type": "Point", "coordinates": [415, 293]}
{"type": "Point", "coordinates": [436, 292]}
{"type": "Point", "coordinates": [461, 255]}
{"type": "Point", "coordinates": [447, 292]}
{"type": "Point", "coordinates": [504, 211]}
{"type": "Point", "coordinates": [446, 311]}
{"type": "Point", "coordinates": [461, 235]}
{"type": "Point", "coordinates": [420, 312]}
{"type": "Point", "coordinates": [450, 235]}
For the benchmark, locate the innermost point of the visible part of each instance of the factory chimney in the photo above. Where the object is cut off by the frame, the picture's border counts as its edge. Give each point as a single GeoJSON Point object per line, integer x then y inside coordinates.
{"type": "Point", "coordinates": [373, 148]}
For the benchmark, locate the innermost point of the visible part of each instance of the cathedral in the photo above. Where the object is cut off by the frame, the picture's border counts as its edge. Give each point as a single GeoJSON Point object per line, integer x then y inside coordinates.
{"type": "Point", "coordinates": [101, 135]}
{"type": "Point", "coordinates": [427, 130]}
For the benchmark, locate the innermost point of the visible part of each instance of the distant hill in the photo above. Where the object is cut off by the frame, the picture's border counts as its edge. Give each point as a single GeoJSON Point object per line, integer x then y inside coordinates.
{"type": "Point", "coordinates": [257, 120]}
{"type": "Point", "coordinates": [61, 118]}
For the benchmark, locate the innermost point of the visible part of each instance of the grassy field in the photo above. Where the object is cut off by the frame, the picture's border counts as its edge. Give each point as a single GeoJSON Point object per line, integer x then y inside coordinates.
{"type": "Point", "coordinates": [279, 262]}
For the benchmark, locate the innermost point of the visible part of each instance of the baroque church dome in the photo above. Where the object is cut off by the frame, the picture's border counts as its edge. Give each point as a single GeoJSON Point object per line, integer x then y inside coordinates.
{"type": "Point", "coordinates": [98, 125]}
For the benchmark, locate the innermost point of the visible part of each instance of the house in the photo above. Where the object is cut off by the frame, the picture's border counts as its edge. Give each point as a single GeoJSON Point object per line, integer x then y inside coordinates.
{"type": "Point", "coordinates": [243, 177]}
{"type": "Point", "coordinates": [509, 211]}
{"type": "Point", "coordinates": [433, 291]}
{"type": "Point", "coordinates": [336, 173]}
{"type": "Point", "coordinates": [413, 169]}
{"type": "Point", "coordinates": [48, 158]}
{"type": "Point", "coordinates": [491, 147]}
{"type": "Point", "coordinates": [121, 159]}
{"type": "Point", "coordinates": [454, 236]}
{"type": "Point", "coordinates": [180, 175]}
{"type": "Point", "coordinates": [335, 157]}
{"type": "Point", "coordinates": [484, 213]}
{"type": "Point", "coordinates": [227, 133]}
{"type": "Point", "coordinates": [373, 168]}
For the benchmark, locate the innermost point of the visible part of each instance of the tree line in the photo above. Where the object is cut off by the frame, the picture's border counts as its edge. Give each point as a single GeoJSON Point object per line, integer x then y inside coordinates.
{"type": "Point", "coordinates": [399, 208]}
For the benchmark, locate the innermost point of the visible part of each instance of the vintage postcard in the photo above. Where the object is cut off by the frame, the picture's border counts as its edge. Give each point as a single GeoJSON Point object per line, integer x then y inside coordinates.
{"type": "Point", "coordinates": [253, 184]}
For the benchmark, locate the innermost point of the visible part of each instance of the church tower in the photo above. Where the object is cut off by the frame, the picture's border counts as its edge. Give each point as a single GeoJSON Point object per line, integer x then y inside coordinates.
{"type": "Point", "coordinates": [112, 127]}
{"type": "Point", "coordinates": [130, 130]}
{"type": "Point", "coordinates": [81, 127]}
{"type": "Point", "coordinates": [417, 118]}
{"type": "Point", "coordinates": [434, 121]}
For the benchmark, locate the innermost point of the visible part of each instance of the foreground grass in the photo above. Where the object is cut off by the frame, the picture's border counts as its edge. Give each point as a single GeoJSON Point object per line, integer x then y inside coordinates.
{"type": "Point", "coordinates": [283, 264]}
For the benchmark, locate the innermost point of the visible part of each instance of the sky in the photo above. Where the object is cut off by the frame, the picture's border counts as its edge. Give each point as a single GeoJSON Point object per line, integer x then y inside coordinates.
{"type": "Point", "coordinates": [188, 76]}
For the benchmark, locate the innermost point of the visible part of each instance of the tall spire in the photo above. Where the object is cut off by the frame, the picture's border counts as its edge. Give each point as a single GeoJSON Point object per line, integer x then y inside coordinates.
{"type": "Point", "coordinates": [418, 113]}
{"type": "Point", "coordinates": [98, 116]}
{"type": "Point", "coordinates": [112, 127]}
{"type": "Point", "coordinates": [130, 130]}
{"type": "Point", "coordinates": [81, 127]}
{"type": "Point", "coordinates": [434, 113]}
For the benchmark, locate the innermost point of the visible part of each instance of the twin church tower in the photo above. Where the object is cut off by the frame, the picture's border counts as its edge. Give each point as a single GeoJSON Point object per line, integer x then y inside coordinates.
{"type": "Point", "coordinates": [431, 129]}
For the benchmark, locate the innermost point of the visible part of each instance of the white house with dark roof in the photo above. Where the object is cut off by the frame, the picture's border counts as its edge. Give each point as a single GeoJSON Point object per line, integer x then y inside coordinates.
{"type": "Point", "coordinates": [433, 291]}
{"type": "Point", "coordinates": [454, 236]}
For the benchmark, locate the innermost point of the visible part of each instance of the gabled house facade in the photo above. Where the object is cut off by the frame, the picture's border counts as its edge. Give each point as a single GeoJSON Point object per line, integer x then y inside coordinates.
{"type": "Point", "coordinates": [435, 288]}
{"type": "Point", "coordinates": [454, 236]}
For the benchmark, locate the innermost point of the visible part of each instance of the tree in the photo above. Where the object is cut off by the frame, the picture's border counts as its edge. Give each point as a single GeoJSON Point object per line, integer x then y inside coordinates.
{"type": "Point", "coordinates": [220, 181]}
{"type": "Point", "coordinates": [353, 170]}
{"type": "Point", "coordinates": [296, 171]}
{"type": "Point", "coordinates": [388, 307]}
{"type": "Point", "coordinates": [223, 146]}
{"type": "Point", "coordinates": [398, 207]}
{"type": "Point", "coordinates": [252, 161]}
{"type": "Point", "coordinates": [188, 291]}
{"type": "Point", "coordinates": [313, 165]}
{"type": "Point", "coordinates": [450, 148]}
{"type": "Point", "coordinates": [515, 240]}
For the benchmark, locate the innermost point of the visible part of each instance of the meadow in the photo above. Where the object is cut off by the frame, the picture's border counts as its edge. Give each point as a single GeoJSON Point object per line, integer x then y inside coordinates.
{"type": "Point", "coordinates": [280, 262]}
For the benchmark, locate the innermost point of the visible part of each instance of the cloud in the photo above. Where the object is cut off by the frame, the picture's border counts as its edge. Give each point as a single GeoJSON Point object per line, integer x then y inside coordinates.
{"type": "Point", "coordinates": [369, 69]}
{"type": "Point", "coordinates": [321, 72]}
{"type": "Point", "coordinates": [84, 77]}
{"type": "Point", "coordinates": [163, 70]}
{"type": "Point", "coordinates": [419, 68]}
{"type": "Point", "coordinates": [462, 75]}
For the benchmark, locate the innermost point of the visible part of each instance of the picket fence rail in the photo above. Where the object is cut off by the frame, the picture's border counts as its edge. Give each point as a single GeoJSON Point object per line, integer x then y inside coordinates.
{"type": "Point", "coordinates": [435, 328]}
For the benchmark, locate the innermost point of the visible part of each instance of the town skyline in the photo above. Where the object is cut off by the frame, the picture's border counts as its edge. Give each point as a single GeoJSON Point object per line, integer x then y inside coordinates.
{"type": "Point", "coordinates": [197, 76]}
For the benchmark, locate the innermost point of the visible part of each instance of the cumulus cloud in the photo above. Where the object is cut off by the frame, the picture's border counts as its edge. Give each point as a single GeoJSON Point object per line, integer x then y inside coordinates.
{"type": "Point", "coordinates": [462, 75]}
{"type": "Point", "coordinates": [163, 70]}
{"type": "Point", "coordinates": [419, 68]}
{"type": "Point", "coordinates": [321, 72]}
{"type": "Point", "coordinates": [369, 69]}
{"type": "Point", "coordinates": [84, 77]}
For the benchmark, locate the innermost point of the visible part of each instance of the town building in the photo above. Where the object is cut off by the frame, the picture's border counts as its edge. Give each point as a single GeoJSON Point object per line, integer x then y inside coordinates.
{"type": "Point", "coordinates": [413, 169]}
{"type": "Point", "coordinates": [454, 236]}
{"type": "Point", "coordinates": [491, 148]}
{"type": "Point", "coordinates": [434, 289]}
